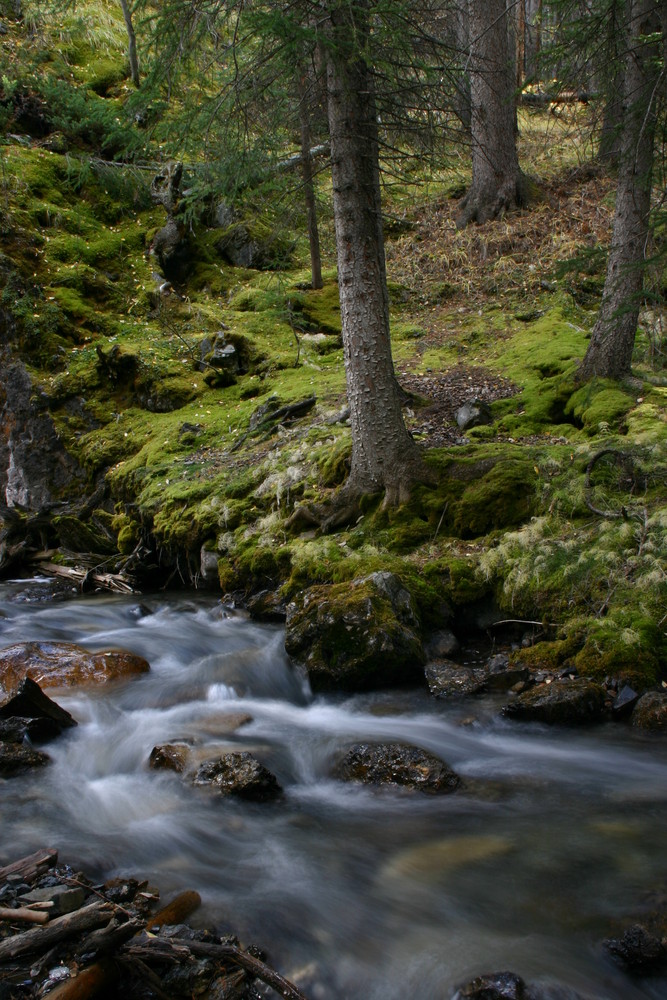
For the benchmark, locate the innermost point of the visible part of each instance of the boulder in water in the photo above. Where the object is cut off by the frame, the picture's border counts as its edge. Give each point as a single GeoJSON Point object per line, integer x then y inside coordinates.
{"type": "Point", "coordinates": [169, 757]}
{"type": "Point", "coordinates": [638, 949]}
{"type": "Point", "coordinates": [29, 708]}
{"type": "Point", "coordinates": [561, 702]}
{"type": "Point", "coordinates": [650, 712]}
{"type": "Point", "coordinates": [64, 664]}
{"type": "Point", "coordinates": [356, 636]}
{"type": "Point", "coordinates": [450, 680]}
{"type": "Point", "coordinates": [238, 774]}
{"type": "Point", "coordinates": [398, 765]}
{"type": "Point", "coordinates": [16, 757]}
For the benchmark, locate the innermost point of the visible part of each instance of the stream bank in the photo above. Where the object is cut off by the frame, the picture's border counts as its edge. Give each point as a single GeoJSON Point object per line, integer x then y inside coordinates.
{"type": "Point", "coordinates": [552, 842]}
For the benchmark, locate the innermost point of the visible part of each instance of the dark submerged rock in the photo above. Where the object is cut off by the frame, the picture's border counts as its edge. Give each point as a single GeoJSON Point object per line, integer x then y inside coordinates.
{"type": "Point", "coordinates": [16, 757]}
{"type": "Point", "coordinates": [650, 712]}
{"type": "Point", "coordinates": [29, 706]}
{"type": "Point", "coordinates": [493, 986]}
{"type": "Point", "coordinates": [397, 764]}
{"type": "Point", "coordinates": [561, 702]}
{"type": "Point", "coordinates": [238, 774]}
{"type": "Point", "coordinates": [638, 949]}
{"type": "Point", "coordinates": [356, 636]}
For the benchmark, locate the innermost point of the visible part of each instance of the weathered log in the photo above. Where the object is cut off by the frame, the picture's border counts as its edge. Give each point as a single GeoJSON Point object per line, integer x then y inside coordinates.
{"type": "Point", "coordinates": [87, 983]}
{"type": "Point", "coordinates": [109, 581]}
{"type": "Point", "coordinates": [31, 866]}
{"type": "Point", "coordinates": [40, 938]}
{"type": "Point", "coordinates": [106, 940]}
{"type": "Point", "coordinates": [24, 914]}
{"type": "Point", "coordinates": [176, 910]}
{"type": "Point", "coordinates": [253, 965]}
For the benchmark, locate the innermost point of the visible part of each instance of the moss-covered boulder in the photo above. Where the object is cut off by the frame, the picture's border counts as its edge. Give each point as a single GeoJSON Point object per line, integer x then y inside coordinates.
{"type": "Point", "coordinates": [650, 712]}
{"type": "Point", "coordinates": [356, 636]}
{"type": "Point", "coordinates": [563, 702]}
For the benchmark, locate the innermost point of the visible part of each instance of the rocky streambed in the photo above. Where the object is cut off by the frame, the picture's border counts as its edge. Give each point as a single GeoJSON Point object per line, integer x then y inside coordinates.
{"type": "Point", "coordinates": [386, 843]}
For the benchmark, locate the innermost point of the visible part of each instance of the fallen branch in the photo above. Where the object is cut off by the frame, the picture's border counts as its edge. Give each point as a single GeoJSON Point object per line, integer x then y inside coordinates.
{"type": "Point", "coordinates": [253, 965]}
{"type": "Point", "coordinates": [40, 938]}
{"type": "Point", "coordinates": [109, 581]}
{"type": "Point", "coordinates": [31, 866]}
{"type": "Point", "coordinates": [24, 914]}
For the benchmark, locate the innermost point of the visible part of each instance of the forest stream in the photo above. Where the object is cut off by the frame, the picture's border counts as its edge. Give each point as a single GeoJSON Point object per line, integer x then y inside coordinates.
{"type": "Point", "coordinates": [554, 837]}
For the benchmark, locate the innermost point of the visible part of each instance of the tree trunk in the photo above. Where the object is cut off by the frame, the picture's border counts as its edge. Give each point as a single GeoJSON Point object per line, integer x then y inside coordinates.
{"type": "Point", "coordinates": [383, 453]}
{"type": "Point", "coordinates": [461, 42]}
{"type": "Point", "coordinates": [131, 43]}
{"type": "Point", "coordinates": [609, 146]}
{"type": "Point", "coordinates": [497, 183]}
{"type": "Point", "coordinates": [520, 43]}
{"type": "Point", "coordinates": [308, 185]}
{"type": "Point", "coordinates": [609, 353]}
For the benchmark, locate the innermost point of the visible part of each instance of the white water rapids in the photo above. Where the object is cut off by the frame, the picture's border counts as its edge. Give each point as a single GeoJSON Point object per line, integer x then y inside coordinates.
{"type": "Point", "coordinates": [382, 895]}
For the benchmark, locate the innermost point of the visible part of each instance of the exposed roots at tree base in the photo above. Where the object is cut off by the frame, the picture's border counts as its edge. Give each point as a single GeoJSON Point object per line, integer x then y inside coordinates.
{"type": "Point", "coordinates": [344, 507]}
{"type": "Point", "coordinates": [483, 205]}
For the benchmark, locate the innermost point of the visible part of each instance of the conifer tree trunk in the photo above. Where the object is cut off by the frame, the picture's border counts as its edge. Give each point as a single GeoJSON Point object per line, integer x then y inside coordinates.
{"type": "Point", "coordinates": [131, 43]}
{"type": "Point", "coordinates": [308, 185]}
{"type": "Point", "coordinates": [609, 353]}
{"type": "Point", "coordinates": [384, 456]}
{"type": "Point", "coordinates": [609, 146]}
{"type": "Point", "coordinates": [497, 183]}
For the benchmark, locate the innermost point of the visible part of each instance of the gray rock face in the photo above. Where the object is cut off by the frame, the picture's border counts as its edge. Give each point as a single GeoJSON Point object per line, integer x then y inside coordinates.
{"type": "Point", "coordinates": [238, 774]}
{"type": "Point", "coordinates": [356, 636]}
{"type": "Point", "coordinates": [650, 712]}
{"type": "Point", "coordinates": [473, 414]}
{"type": "Point", "coordinates": [562, 702]}
{"type": "Point", "coordinates": [638, 949]}
{"type": "Point", "coordinates": [35, 468]}
{"type": "Point", "coordinates": [398, 765]}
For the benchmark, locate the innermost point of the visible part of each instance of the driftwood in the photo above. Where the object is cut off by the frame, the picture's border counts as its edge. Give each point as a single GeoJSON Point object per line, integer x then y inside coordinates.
{"type": "Point", "coordinates": [253, 965]}
{"type": "Point", "coordinates": [24, 914]}
{"type": "Point", "coordinates": [30, 867]}
{"type": "Point", "coordinates": [109, 947]}
{"type": "Point", "coordinates": [176, 910]}
{"type": "Point", "coordinates": [87, 983]}
{"type": "Point", "coordinates": [40, 938]}
{"type": "Point", "coordinates": [109, 581]}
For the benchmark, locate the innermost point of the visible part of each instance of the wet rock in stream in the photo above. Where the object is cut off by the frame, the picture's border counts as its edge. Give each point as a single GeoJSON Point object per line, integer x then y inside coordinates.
{"type": "Point", "coordinates": [564, 702]}
{"type": "Point", "coordinates": [650, 712]}
{"type": "Point", "coordinates": [238, 774]}
{"type": "Point", "coordinates": [393, 764]}
{"type": "Point", "coordinates": [64, 664]}
{"type": "Point", "coordinates": [509, 986]}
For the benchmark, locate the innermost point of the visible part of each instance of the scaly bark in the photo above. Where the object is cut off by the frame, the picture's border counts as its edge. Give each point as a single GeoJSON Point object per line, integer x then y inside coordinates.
{"type": "Point", "coordinates": [497, 182]}
{"type": "Point", "coordinates": [609, 353]}
{"type": "Point", "coordinates": [384, 456]}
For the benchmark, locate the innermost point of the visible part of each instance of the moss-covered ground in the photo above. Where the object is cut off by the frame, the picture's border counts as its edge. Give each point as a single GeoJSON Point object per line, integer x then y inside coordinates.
{"type": "Point", "coordinates": [511, 302]}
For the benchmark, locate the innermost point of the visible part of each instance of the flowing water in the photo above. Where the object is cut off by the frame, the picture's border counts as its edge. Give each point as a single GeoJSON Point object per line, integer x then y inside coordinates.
{"type": "Point", "coordinates": [381, 895]}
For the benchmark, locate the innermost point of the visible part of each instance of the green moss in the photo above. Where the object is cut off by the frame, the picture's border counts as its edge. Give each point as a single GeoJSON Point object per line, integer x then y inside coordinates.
{"type": "Point", "coordinates": [600, 406]}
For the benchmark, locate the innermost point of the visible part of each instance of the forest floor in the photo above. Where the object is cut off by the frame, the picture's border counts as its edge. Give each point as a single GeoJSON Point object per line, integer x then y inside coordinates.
{"type": "Point", "coordinates": [189, 472]}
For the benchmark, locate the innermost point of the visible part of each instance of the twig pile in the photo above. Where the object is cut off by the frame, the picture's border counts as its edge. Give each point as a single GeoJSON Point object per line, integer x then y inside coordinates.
{"type": "Point", "coordinates": [82, 940]}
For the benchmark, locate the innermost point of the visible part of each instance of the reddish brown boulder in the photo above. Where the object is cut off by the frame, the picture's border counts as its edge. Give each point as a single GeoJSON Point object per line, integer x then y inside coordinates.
{"type": "Point", "coordinates": [64, 664]}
